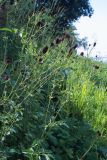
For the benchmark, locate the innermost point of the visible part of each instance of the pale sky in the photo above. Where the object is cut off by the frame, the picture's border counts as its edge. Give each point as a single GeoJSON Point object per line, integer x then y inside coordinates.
{"type": "Point", "coordinates": [95, 28]}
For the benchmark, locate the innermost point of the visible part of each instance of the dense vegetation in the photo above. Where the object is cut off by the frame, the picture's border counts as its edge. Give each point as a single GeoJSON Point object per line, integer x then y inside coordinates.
{"type": "Point", "coordinates": [53, 101]}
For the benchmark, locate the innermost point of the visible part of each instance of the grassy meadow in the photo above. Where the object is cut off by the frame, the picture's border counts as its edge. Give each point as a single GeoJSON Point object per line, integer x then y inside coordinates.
{"type": "Point", "coordinates": [53, 101]}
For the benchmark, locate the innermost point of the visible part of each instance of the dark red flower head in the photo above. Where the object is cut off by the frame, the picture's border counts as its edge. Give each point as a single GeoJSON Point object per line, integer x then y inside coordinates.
{"type": "Point", "coordinates": [82, 54]}
{"type": "Point", "coordinates": [75, 46]}
{"type": "Point", "coordinates": [8, 60]}
{"type": "Point", "coordinates": [70, 51]}
{"type": "Point", "coordinates": [67, 35]}
{"type": "Point", "coordinates": [40, 60]}
{"type": "Point", "coordinates": [52, 44]}
{"type": "Point", "coordinates": [58, 40]}
{"type": "Point", "coordinates": [98, 133]}
{"type": "Point", "coordinates": [45, 49]}
{"type": "Point", "coordinates": [40, 24]}
{"type": "Point", "coordinates": [94, 44]}
{"type": "Point", "coordinates": [6, 77]}
{"type": "Point", "coordinates": [96, 67]}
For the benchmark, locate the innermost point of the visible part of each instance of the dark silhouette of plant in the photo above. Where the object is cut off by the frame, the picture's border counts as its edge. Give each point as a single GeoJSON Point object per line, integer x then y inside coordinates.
{"type": "Point", "coordinates": [66, 11]}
